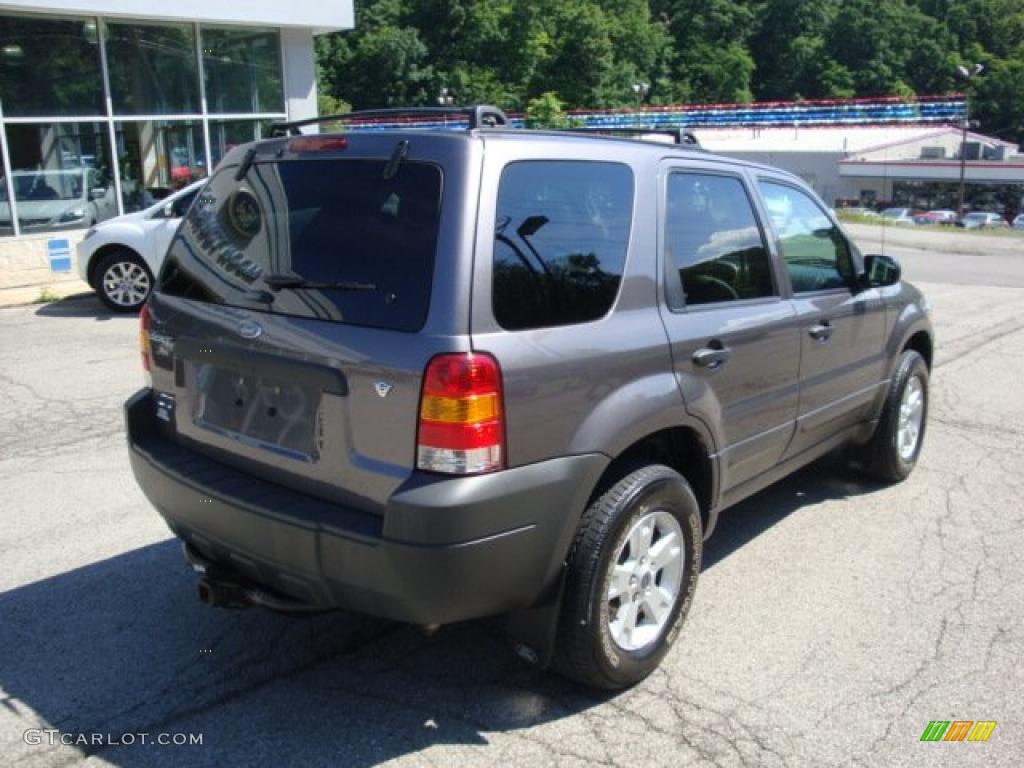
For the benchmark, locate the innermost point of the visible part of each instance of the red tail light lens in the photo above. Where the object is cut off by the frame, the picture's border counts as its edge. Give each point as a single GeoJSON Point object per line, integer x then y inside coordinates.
{"type": "Point", "coordinates": [461, 429]}
{"type": "Point", "coordinates": [318, 143]}
{"type": "Point", "coordinates": [144, 336]}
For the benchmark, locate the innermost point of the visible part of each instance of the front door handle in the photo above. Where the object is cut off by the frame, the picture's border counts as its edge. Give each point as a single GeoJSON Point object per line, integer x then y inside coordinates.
{"type": "Point", "coordinates": [712, 356]}
{"type": "Point", "coordinates": [822, 331]}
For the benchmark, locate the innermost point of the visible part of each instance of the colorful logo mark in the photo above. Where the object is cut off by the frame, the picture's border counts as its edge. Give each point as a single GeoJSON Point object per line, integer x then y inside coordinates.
{"type": "Point", "coordinates": [958, 730]}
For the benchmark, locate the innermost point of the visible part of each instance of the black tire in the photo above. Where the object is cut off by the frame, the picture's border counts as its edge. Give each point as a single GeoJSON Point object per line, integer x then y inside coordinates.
{"type": "Point", "coordinates": [586, 650]}
{"type": "Point", "coordinates": [883, 459]}
{"type": "Point", "coordinates": [114, 300]}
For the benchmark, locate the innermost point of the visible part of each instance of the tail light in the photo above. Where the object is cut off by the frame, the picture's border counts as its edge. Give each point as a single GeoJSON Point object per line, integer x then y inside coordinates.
{"type": "Point", "coordinates": [461, 429]}
{"type": "Point", "coordinates": [144, 337]}
{"type": "Point", "coordinates": [318, 143]}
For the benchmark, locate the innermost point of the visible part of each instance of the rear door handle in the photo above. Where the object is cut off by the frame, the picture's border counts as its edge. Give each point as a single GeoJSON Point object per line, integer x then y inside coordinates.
{"type": "Point", "coordinates": [712, 356]}
{"type": "Point", "coordinates": [821, 331]}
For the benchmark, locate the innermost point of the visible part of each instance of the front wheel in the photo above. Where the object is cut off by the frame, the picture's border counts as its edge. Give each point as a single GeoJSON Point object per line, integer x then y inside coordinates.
{"type": "Point", "coordinates": [631, 577]}
{"type": "Point", "coordinates": [124, 282]}
{"type": "Point", "coordinates": [893, 451]}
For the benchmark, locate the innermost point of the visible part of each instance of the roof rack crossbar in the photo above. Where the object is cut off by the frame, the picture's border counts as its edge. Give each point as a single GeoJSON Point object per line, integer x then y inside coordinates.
{"type": "Point", "coordinates": [681, 136]}
{"type": "Point", "coordinates": [479, 116]}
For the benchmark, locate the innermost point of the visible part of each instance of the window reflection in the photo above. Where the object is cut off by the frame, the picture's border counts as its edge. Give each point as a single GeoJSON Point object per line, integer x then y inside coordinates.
{"type": "Point", "coordinates": [61, 175]}
{"type": "Point", "coordinates": [158, 157]}
{"type": "Point", "coordinates": [225, 135]}
{"type": "Point", "coordinates": [815, 252]}
{"type": "Point", "coordinates": [6, 224]}
{"type": "Point", "coordinates": [152, 68]}
{"type": "Point", "coordinates": [50, 67]}
{"type": "Point", "coordinates": [712, 239]}
{"type": "Point", "coordinates": [560, 241]}
{"type": "Point", "coordinates": [243, 70]}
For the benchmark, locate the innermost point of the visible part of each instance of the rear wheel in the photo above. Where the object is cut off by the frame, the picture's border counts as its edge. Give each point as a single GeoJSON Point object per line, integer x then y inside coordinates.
{"type": "Point", "coordinates": [123, 281]}
{"type": "Point", "coordinates": [632, 573]}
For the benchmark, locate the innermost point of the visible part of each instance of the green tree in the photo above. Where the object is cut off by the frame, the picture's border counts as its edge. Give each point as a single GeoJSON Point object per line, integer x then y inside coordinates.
{"type": "Point", "coordinates": [591, 52]}
{"type": "Point", "coordinates": [546, 111]}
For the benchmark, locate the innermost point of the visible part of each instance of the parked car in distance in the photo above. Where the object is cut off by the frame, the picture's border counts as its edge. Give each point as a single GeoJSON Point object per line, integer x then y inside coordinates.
{"type": "Point", "coordinates": [982, 220]}
{"type": "Point", "coordinates": [1018, 222]}
{"type": "Point", "coordinates": [936, 217]}
{"type": "Point", "coordinates": [119, 257]}
{"type": "Point", "coordinates": [524, 396]}
{"type": "Point", "coordinates": [899, 215]}
{"type": "Point", "coordinates": [53, 201]}
{"type": "Point", "coordinates": [869, 213]}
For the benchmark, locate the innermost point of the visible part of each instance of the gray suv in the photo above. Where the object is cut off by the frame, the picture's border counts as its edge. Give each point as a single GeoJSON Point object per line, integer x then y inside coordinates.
{"type": "Point", "coordinates": [440, 375]}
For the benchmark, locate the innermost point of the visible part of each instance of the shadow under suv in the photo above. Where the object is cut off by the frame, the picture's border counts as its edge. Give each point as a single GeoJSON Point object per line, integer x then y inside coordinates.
{"type": "Point", "coordinates": [439, 375]}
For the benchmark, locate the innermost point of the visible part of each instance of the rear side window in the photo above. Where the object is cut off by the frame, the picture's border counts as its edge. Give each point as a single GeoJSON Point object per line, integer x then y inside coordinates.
{"type": "Point", "coordinates": [331, 239]}
{"type": "Point", "coordinates": [561, 234]}
{"type": "Point", "coordinates": [712, 240]}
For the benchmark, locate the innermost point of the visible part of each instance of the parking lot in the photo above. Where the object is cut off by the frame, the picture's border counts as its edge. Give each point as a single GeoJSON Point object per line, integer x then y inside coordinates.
{"type": "Point", "coordinates": [834, 618]}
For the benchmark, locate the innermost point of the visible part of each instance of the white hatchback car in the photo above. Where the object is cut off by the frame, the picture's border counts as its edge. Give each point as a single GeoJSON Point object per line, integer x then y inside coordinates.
{"type": "Point", "coordinates": [119, 257]}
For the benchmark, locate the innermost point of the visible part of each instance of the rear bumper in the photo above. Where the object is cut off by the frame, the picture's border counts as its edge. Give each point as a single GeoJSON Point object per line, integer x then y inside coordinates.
{"type": "Point", "coordinates": [445, 549]}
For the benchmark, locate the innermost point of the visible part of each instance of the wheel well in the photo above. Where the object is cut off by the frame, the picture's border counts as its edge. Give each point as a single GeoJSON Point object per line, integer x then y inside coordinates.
{"type": "Point", "coordinates": [921, 343]}
{"type": "Point", "coordinates": [98, 255]}
{"type": "Point", "coordinates": [680, 448]}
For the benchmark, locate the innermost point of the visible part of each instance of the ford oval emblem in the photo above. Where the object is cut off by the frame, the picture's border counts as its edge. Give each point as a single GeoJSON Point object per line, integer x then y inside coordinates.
{"type": "Point", "coordinates": [247, 329]}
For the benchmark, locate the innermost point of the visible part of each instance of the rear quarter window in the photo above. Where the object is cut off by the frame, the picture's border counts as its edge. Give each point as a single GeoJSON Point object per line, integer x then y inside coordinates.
{"type": "Point", "coordinates": [560, 241]}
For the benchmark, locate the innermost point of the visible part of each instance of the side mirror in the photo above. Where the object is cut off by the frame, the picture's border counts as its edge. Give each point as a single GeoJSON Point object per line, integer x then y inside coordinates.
{"type": "Point", "coordinates": [97, 193]}
{"type": "Point", "coordinates": [880, 271]}
{"type": "Point", "coordinates": [167, 212]}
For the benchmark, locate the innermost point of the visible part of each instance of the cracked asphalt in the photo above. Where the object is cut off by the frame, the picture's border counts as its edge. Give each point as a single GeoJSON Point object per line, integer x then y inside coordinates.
{"type": "Point", "coordinates": [834, 618]}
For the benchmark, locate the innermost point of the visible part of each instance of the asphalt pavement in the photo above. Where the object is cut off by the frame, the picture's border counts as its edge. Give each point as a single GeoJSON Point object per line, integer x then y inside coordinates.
{"type": "Point", "coordinates": [835, 617]}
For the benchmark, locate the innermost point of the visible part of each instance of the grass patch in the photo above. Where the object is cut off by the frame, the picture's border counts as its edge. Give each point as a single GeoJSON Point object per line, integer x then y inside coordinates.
{"type": "Point", "coordinates": [47, 296]}
{"type": "Point", "coordinates": [878, 221]}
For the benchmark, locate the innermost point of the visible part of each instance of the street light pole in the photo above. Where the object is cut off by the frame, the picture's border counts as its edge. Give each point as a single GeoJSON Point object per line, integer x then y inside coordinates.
{"type": "Point", "coordinates": [640, 90]}
{"type": "Point", "coordinates": [966, 74]}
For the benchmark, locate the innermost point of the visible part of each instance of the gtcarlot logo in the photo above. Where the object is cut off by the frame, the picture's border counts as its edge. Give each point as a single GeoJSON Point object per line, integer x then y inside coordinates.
{"type": "Point", "coordinates": [52, 737]}
{"type": "Point", "coordinates": [959, 730]}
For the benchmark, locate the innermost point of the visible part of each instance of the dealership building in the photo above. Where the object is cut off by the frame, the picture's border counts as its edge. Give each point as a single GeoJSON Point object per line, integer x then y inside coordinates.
{"type": "Point", "coordinates": [917, 166]}
{"type": "Point", "coordinates": [108, 105]}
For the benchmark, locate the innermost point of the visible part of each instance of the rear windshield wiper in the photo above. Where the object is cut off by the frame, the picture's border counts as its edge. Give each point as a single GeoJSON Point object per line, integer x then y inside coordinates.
{"type": "Point", "coordinates": [280, 281]}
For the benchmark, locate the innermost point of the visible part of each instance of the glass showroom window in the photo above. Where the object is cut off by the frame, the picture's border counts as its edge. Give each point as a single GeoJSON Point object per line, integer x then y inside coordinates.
{"type": "Point", "coordinates": [152, 68]}
{"type": "Point", "coordinates": [225, 135]}
{"type": "Point", "coordinates": [243, 70]}
{"type": "Point", "coordinates": [157, 157]}
{"type": "Point", "coordinates": [61, 175]}
{"type": "Point", "coordinates": [50, 67]}
{"type": "Point", "coordinates": [6, 224]}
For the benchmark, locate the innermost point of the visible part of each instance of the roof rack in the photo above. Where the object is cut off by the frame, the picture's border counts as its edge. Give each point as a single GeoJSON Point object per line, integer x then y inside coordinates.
{"type": "Point", "coordinates": [681, 136]}
{"type": "Point", "coordinates": [479, 115]}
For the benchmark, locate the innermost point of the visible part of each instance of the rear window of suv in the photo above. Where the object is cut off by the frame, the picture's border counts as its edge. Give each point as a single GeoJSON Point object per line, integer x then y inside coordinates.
{"type": "Point", "coordinates": [560, 240]}
{"type": "Point", "coordinates": [345, 240]}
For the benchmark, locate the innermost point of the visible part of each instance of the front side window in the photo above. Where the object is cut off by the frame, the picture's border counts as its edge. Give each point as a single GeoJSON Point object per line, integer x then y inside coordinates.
{"type": "Point", "coordinates": [560, 240]}
{"type": "Point", "coordinates": [815, 252]}
{"type": "Point", "coordinates": [712, 240]}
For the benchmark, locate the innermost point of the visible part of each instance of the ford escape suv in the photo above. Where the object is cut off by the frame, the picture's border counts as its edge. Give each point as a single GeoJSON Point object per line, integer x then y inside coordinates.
{"type": "Point", "coordinates": [439, 375]}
